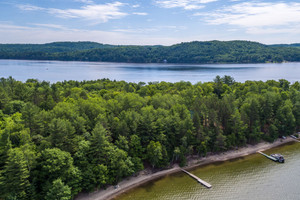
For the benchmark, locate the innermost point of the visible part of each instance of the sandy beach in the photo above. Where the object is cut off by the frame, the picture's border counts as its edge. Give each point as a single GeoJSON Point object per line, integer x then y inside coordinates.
{"type": "Point", "coordinates": [147, 175]}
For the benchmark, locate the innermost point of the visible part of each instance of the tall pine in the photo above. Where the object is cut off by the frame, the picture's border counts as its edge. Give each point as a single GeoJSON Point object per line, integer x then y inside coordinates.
{"type": "Point", "coordinates": [14, 183]}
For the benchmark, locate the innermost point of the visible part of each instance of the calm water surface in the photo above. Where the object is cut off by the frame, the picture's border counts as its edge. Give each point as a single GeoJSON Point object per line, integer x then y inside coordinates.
{"type": "Point", "coordinates": [249, 178]}
{"type": "Point", "coordinates": [54, 71]}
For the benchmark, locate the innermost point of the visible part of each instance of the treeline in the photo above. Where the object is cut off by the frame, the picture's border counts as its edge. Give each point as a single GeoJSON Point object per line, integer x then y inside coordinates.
{"type": "Point", "coordinates": [287, 45]}
{"type": "Point", "coordinates": [59, 139]}
{"type": "Point", "coordinates": [54, 47]}
{"type": "Point", "coordinates": [191, 52]}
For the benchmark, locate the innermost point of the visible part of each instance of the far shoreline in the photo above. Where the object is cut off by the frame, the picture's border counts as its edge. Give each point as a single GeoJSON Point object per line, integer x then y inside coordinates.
{"type": "Point", "coordinates": [145, 176]}
{"type": "Point", "coordinates": [145, 63]}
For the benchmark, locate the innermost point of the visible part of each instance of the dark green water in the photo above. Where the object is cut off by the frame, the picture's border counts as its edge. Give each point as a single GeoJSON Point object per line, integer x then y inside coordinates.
{"type": "Point", "coordinates": [252, 177]}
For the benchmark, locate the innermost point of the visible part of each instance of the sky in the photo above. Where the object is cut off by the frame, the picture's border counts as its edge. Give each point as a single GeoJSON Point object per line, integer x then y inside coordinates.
{"type": "Point", "coordinates": [149, 22]}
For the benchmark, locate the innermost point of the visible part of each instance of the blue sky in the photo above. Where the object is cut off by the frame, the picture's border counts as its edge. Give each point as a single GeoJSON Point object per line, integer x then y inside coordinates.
{"type": "Point", "coordinates": [149, 22]}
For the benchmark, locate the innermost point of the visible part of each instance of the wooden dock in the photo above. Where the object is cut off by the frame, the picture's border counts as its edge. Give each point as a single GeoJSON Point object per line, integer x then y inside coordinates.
{"type": "Point", "coordinates": [270, 157]}
{"type": "Point", "coordinates": [197, 179]}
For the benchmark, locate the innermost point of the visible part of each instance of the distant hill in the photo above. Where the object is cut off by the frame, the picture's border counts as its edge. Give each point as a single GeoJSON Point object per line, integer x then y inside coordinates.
{"type": "Point", "coordinates": [188, 52]}
{"type": "Point", "coordinates": [286, 45]}
{"type": "Point", "coordinates": [53, 47]}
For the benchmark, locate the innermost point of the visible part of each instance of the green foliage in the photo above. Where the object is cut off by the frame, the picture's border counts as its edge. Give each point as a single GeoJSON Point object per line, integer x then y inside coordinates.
{"type": "Point", "coordinates": [285, 119]}
{"type": "Point", "coordinates": [14, 179]}
{"type": "Point", "coordinates": [154, 153]}
{"type": "Point", "coordinates": [62, 134]}
{"type": "Point", "coordinates": [94, 175]}
{"type": "Point", "coordinates": [190, 52]}
{"type": "Point", "coordinates": [62, 138]}
{"type": "Point", "coordinates": [119, 164]}
{"type": "Point", "coordinates": [53, 164]}
{"type": "Point", "coordinates": [58, 191]}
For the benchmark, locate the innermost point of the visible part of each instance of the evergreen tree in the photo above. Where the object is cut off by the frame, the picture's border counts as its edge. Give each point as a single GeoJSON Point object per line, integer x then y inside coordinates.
{"type": "Point", "coordinates": [58, 191]}
{"type": "Point", "coordinates": [154, 153]}
{"type": "Point", "coordinates": [14, 180]}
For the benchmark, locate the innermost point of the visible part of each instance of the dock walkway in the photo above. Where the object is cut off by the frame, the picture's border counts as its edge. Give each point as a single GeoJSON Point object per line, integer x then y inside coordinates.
{"type": "Point", "coordinates": [197, 179]}
{"type": "Point", "coordinates": [270, 157]}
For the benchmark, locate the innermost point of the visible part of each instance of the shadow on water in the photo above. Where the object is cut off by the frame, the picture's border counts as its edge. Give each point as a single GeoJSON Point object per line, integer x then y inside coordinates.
{"type": "Point", "coordinates": [184, 67]}
{"type": "Point", "coordinates": [148, 186]}
{"type": "Point", "coordinates": [237, 159]}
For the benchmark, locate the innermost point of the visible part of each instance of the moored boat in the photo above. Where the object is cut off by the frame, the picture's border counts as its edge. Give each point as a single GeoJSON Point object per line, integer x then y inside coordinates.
{"type": "Point", "coordinates": [278, 157]}
{"type": "Point", "coordinates": [294, 137]}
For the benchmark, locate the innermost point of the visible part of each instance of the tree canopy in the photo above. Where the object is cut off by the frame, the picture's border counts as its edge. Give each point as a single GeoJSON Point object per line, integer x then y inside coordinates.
{"type": "Point", "coordinates": [62, 138]}
{"type": "Point", "coordinates": [188, 52]}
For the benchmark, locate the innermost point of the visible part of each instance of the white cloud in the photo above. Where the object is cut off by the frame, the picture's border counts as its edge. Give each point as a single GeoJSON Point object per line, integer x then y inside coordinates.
{"type": "Point", "coordinates": [85, 1]}
{"type": "Point", "coordinates": [23, 34]}
{"type": "Point", "coordinates": [9, 27]}
{"type": "Point", "coordinates": [53, 26]}
{"type": "Point", "coordinates": [28, 7]}
{"type": "Point", "coordinates": [185, 4]}
{"type": "Point", "coordinates": [268, 31]}
{"type": "Point", "coordinates": [206, 1]}
{"type": "Point", "coordinates": [140, 13]}
{"type": "Point", "coordinates": [193, 7]}
{"type": "Point", "coordinates": [10, 33]}
{"type": "Point", "coordinates": [251, 15]}
{"type": "Point", "coordinates": [176, 28]}
{"type": "Point", "coordinates": [138, 30]}
{"type": "Point", "coordinates": [151, 30]}
{"type": "Point", "coordinates": [43, 34]}
{"type": "Point", "coordinates": [98, 13]}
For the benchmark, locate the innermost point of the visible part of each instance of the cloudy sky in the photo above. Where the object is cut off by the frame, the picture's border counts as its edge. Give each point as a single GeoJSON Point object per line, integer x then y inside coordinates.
{"type": "Point", "coordinates": [149, 22]}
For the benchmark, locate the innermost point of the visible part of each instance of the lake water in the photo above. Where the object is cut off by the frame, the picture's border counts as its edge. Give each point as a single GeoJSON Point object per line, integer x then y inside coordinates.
{"type": "Point", "coordinates": [249, 178]}
{"type": "Point", "coordinates": [54, 71]}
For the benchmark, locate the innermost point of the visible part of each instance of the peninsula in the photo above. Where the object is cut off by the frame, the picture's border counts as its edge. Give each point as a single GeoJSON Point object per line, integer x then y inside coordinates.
{"type": "Point", "coordinates": [76, 137]}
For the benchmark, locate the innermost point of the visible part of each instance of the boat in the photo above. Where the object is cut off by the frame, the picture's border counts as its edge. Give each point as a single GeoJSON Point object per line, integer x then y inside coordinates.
{"type": "Point", "coordinates": [292, 136]}
{"type": "Point", "coordinates": [278, 157]}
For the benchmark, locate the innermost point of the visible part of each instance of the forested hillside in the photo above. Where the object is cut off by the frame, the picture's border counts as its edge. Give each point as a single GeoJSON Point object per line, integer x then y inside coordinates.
{"type": "Point", "coordinates": [191, 52]}
{"type": "Point", "coordinates": [62, 138]}
{"type": "Point", "coordinates": [55, 47]}
{"type": "Point", "coordinates": [287, 45]}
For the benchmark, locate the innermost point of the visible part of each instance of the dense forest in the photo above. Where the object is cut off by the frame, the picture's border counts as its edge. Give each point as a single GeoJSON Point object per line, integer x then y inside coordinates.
{"type": "Point", "coordinates": [287, 45]}
{"type": "Point", "coordinates": [190, 52]}
{"type": "Point", "coordinates": [59, 139]}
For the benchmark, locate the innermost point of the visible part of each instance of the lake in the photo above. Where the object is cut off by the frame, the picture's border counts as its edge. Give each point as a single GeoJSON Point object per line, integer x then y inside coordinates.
{"type": "Point", "coordinates": [54, 71]}
{"type": "Point", "coordinates": [248, 178]}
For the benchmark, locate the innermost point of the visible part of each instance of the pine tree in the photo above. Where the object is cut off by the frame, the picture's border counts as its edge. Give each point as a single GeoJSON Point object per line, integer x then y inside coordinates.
{"type": "Point", "coordinates": [14, 178]}
{"type": "Point", "coordinates": [58, 191]}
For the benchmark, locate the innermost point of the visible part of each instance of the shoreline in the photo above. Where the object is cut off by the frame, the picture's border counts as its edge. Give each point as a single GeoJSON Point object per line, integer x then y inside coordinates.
{"type": "Point", "coordinates": [150, 63]}
{"type": "Point", "coordinates": [145, 176]}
